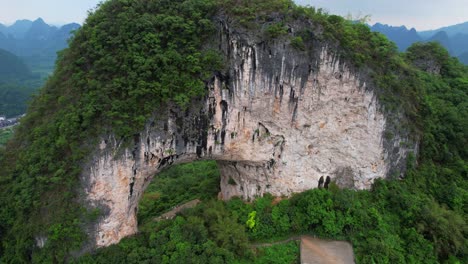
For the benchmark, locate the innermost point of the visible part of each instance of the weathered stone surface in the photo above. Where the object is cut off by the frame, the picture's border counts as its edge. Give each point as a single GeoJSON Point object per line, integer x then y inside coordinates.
{"type": "Point", "coordinates": [276, 121]}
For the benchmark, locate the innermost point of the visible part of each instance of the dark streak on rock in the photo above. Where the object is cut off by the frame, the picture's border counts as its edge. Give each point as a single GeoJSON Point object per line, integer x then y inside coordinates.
{"type": "Point", "coordinates": [320, 182]}
{"type": "Point", "coordinates": [295, 112]}
{"type": "Point", "coordinates": [224, 108]}
{"type": "Point", "coordinates": [327, 182]}
{"type": "Point", "coordinates": [271, 163]}
{"type": "Point", "coordinates": [131, 189]}
{"type": "Point", "coordinates": [223, 136]}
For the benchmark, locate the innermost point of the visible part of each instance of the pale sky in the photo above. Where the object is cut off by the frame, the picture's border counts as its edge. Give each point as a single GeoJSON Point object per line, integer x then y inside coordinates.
{"type": "Point", "coordinates": [421, 14]}
{"type": "Point", "coordinates": [52, 11]}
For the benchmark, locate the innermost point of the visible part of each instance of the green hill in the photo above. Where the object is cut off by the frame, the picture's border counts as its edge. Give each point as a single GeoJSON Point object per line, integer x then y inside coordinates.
{"type": "Point", "coordinates": [17, 84]}
{"type": "Point", "coordinates": [464, 58]}
{"type": "Point", "coordinates": [12, 67]}
{"type": "Point", "coordinates": [133, 57]}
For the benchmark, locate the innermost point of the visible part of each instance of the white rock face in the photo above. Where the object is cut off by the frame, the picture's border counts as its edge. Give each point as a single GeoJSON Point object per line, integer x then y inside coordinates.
{"type": "Point", "coordinates": [275, 131]}
{"type": "Point", "coordinates": [333, 126]}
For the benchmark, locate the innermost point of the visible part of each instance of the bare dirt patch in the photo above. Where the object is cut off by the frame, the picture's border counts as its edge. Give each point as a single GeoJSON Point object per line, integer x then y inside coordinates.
{"type": "Point", "coordinates": [318, 251]}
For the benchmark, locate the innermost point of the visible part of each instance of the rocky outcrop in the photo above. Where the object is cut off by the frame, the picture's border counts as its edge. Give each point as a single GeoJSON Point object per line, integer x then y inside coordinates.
{"type": "Point", "coordinates": [277, 120]}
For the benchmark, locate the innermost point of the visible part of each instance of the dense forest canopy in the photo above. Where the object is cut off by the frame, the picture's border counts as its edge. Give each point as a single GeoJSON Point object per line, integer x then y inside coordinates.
{"type": "Point", "coordinates": [130, 57]}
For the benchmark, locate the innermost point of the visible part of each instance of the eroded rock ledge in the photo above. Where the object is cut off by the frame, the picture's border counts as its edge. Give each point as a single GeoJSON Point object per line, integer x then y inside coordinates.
{"type": "Point", "coordinates": [276, 121]}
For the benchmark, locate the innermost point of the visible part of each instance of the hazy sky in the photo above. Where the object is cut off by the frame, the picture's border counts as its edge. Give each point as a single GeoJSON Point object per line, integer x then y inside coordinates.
{"type": "Point", "coordinates": [421, 14]}
{"type": "Point", "coordinates": [52, 11]}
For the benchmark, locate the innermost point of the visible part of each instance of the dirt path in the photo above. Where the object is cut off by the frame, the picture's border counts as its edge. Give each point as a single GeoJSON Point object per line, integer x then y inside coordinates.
{"type": "Point", "coordinates": [276, 242]}
{"type": "Point", "coordinates": [171, 214]}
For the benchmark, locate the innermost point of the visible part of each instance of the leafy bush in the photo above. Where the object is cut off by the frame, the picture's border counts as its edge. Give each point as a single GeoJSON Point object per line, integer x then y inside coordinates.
{"type": "Point", "coordinates": [276, 30]}
{"type": "Point", "coordinates": [298, 43]}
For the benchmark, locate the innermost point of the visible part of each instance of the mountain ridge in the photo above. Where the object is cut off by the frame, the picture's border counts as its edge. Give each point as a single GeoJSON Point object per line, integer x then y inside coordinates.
{"type": "Point", "coordinates": [402, 36]}
{"type": "Point", "coordinates": [451, 30]}
{"type": "Point", "coordinates": [29, 52]}
{"type": "Point", "coordinates": [36, 42]}
{"type": "Point", "coordinates": [453, 38]}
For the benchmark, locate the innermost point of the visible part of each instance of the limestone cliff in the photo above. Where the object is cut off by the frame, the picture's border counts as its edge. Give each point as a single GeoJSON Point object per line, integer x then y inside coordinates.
{"type": "Point", "coordinates": [276, 120]}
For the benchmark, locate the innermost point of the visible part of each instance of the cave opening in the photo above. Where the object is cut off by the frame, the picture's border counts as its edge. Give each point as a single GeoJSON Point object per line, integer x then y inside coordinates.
{"type": "Point", "coordinates": [176, 187]}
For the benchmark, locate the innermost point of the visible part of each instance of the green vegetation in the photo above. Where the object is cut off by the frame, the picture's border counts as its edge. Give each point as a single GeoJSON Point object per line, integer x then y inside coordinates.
{"type": "Point", "coordinates": [251, 14]}
{"type": "Point", "coordinates": [179, 184]}
{"type": "Point", "coordinates": [276, 30]}
{"type": "Point", "coordinates": [132, 57]}
{"type": "Point", "coordinates": [42, 66]}
{"type": "Point", "coordinates": [298, 43]}
{"type": "Point", "coordinates": [287, 253]}
{"type": "Point", "coordinates": [5, 135]}
{"type": "Point", "coordinates": [206, 234]}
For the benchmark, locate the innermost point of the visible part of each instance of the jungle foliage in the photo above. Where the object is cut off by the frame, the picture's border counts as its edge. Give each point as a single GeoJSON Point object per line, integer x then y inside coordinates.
{"type": "Point", "coordinates": [132, 57]}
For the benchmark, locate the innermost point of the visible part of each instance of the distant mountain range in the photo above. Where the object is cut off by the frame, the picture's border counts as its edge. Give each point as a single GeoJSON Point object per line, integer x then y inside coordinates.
{"type": "Point", "coordinates": [451, 31]}
{"type": "Point", "coordinates": [402, 36]}
{"type": "Point", "coordinates": [28, 50]}
{"type": "Point", "coordinates": [36, 42]}
{"type": "Point", "coordinates": [453, 38]}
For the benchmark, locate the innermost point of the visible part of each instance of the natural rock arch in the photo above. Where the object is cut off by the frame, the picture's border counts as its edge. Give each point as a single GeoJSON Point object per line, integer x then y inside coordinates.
{"type": "Point", "coordinates": [276, 121]}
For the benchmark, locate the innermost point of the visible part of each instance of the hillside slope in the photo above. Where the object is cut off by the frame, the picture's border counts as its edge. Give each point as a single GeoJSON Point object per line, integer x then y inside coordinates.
{"type": "Point", "coordinates": [12, 67]}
